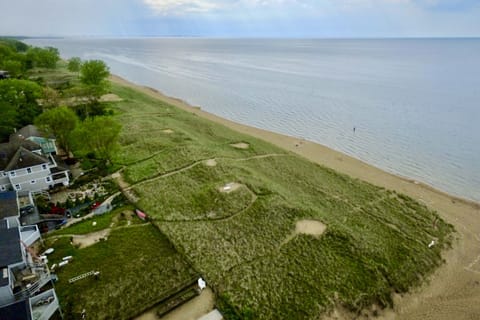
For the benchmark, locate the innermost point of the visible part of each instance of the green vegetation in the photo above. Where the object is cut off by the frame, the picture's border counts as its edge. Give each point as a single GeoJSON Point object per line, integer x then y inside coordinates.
{"type": "Point", "coordinates": [138, 267]}
{"type": "Point", "coordinates": [59, 122]}
{"type": "Point", "coordinates": [98, 135]}
{"type": "Point", "coordinates": [42, 57]}
{"type": "Point", "coordinates": [93, 76]}
{"type": "Point", "coordinates": [19, 100]}
{"type": "Point", "coordinates": [376, 241]}
{"type": "Point", "coordinates": [74, 64]}
{"type": "Point", "coordinates": [119, 217]}
{"type": "Point", "coordinates": [242, 241]}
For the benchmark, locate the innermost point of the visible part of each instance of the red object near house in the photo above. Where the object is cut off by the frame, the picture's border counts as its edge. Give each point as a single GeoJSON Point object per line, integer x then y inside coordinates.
{"type": "Point", "coordinates": [141, 215]}
{"type": "Point", "coordinates": [57, 210]}
{"type": "Point", "coordinates": [95, 205]}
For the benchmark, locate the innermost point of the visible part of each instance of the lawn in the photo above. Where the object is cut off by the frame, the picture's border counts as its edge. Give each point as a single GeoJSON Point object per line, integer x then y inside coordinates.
{"type": "Point", "coordinates": [375, 243]}
{"type": "Point", "coordinates": [115, 218]}
{"type": "Point", "coordinates": [138, 267]}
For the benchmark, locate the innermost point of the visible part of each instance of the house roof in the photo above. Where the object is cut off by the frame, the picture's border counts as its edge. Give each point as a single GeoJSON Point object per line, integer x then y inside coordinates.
{"type": "Point", "coordinates": [16, 311]}
{"type": "Point", "coordinates": [10, 247]}
{"type": "Point", "coordinates": [29, 131]}
{"type": "Point", "coordinates": [8, 204]}
{"type": "Point", "coordinates": [17, 140]}
{"type": "Point", "coordinates": [24, 158]}
{"type": "Point", "coordinates": [6, 152]}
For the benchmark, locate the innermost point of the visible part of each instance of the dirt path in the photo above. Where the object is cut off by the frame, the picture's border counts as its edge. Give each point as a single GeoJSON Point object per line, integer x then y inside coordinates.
{"type": "Point", "coordinates": [126, 187]}
{"type": "Point", "coordinates": [191, 310]}
{"type": "Point", "coordinates": [87, 240]}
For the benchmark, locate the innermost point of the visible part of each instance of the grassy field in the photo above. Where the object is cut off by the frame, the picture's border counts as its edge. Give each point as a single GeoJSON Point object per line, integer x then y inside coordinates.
{"type": "Point", "coordinates": [376, 241]}
{"type": "Point", "coordinates": [138, 268]}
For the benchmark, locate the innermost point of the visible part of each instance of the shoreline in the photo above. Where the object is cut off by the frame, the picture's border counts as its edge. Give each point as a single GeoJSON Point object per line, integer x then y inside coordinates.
{"type": "Point", "coordinates": [452, 290]}
{"type": "Point", "coordinates": [305, 148]}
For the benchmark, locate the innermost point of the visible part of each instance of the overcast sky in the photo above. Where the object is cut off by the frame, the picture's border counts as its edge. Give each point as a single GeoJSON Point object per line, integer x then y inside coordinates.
{"type": "Point", "coordinates": [241, 18]}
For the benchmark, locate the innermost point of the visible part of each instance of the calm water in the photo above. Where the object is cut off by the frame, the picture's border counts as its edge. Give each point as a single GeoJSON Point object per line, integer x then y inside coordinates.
{"type": "Point", "coordinates": [415, 104]}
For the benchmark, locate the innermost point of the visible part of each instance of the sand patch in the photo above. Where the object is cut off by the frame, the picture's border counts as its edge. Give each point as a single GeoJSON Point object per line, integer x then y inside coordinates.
{"type": "Point", "coordinates": [211, 163]}
{"type": "Point", "coordinates": [311, 227]}
{"type": "Point", "coordinates": [87, 240]}
{"type": "Point", "coordinates": [168, 131]}
{"type": "Point", "coordinates": [230, 187]}
{"type": "Point", "coordinates": [110, 97]}
{"type": "Point", "coordinates": [240, 145]}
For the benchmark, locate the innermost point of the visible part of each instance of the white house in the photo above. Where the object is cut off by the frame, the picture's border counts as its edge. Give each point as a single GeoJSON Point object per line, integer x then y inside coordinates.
{"type": "Point", "coordinates": [27, 166]}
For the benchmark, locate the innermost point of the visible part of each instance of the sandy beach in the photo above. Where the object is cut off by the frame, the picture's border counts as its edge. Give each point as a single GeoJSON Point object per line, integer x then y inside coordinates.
{"type": "Point", "coordinates": [453, 291]}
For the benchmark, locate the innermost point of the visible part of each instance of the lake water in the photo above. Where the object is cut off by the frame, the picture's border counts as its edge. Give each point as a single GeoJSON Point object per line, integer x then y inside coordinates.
{"type": "Point", "coordinates": [414, 103]}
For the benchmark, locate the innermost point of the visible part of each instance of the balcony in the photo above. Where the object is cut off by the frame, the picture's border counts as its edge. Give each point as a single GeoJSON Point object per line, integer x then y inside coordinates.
{"type": "Point", "coordinates": [30, 280]}
{"type": "Point", "coordinates": [60, 178]}
{"type": "Point", "coordinates": [44, 305]}
{"type": "Point", "coordinates": [29, 234]}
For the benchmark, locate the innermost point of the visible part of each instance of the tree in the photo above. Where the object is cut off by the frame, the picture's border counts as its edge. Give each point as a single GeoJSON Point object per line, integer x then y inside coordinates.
{"type": "Point", "coordinates": [14, 67]}
{"type": "Point", "coordinates": [59, 122]}
{"type": "Point", "coordinates": [99, 135]}
{"type": "Point", "coordinates": [8, 120]}
{"type": "Point", "coordinates": [21, 96]}
{"type": "Point", "coordinates": [93, 76]}
{"type": "Point", "coordinates": [94, 73]}
{"type": "Point", "coordinates": [74, 64]}
{"type": "Point", "coordinates": [43, 57]}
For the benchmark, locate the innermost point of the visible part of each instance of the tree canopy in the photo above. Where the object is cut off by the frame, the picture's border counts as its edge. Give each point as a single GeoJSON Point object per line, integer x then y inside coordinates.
{"type": "Point", "coordinates": [93, 76]}
{"type": "Point", "coordinates": [99, 135]}
{"type": "Point", "coordinates": [43, 57]}
{"type": "Point", "coordinates": [94, 73]}
{"type": "Point", "coordinates": [59, 122]}
{"type": "Point", "coordinates": [19, 100]}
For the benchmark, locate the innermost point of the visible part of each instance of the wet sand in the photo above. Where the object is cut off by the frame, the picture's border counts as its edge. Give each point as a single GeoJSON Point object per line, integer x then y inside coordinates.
{"type": "Point", "coordinates": [453, 291]}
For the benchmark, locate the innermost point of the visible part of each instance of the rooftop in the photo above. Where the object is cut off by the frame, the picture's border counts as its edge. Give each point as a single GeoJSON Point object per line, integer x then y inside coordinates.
{"type": "Point", "coordinates": [29, 131]}
{"type": "Point", "coordinates": [24, 158]}
{"type": "Point", "coordinates": [10, 247]}
{"type": "Point", "coordinates": [8, 204]}
{"type": "Point", "coordinates": [16, 311]}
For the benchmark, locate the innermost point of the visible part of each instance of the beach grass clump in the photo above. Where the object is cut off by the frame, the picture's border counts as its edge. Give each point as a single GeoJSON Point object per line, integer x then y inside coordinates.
{"type": "Point", "coordinates": [138, 266]}
{"type": "Point", "coordinates": [244, 242]}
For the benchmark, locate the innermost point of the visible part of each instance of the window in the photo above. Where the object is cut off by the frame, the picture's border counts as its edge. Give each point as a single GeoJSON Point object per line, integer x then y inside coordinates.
{"type": "Point", "coordinates": [18, 187]}
{"type": "Point", "coordinates": [29, 170]}
{"type": "Point", "coordinates": [48, 179]}
{"type": "Point", "coordinates": [12, 173]}
{"type": "Point", "coordinates": [44, 166]}
{"type": "Point", "coordinates": [5, 174]}
{"type": "Point", "coordinates": [3, 188]}
{"type": "Point", "coordinates": [33, 181]}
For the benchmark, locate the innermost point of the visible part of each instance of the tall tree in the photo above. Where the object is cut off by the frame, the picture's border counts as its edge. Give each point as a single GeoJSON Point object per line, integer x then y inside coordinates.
{"type": "Point", "coordinates": [93, 77]}
{"type": "Point", "coordinates": [99, 135]}
{"type": "Point", "coordinates": [59, 122]}
{"type": "Point", "coordinates": [8, 120]}
{"type": "Point", "coordinates": [22, 95]}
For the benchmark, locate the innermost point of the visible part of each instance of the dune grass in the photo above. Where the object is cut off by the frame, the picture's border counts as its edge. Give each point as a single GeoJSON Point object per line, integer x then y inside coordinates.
{"type": "Point", "coordinates": [376, 241]}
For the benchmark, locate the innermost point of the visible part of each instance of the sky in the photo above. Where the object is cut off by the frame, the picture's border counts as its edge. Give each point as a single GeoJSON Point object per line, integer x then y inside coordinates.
{"type": "Point", "coordinates": [241, 18]}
